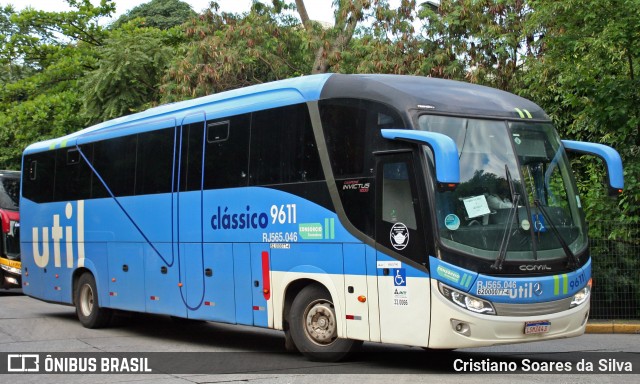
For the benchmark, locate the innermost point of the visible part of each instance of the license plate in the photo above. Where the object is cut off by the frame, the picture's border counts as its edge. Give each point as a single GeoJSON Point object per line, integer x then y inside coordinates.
{"type": "Point", "coordinates": [533, 327]}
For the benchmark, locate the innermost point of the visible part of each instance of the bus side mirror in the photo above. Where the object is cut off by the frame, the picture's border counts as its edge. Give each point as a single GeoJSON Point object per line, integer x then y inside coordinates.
{"type": "Point", "coordinates": [444, 149]}
{"type": "Point", "coordinates": [610, 156]}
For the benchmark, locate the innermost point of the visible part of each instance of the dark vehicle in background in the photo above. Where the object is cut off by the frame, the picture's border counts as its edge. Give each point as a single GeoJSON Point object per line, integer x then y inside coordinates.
{"type": "Point", "coordinates": [10, 266]}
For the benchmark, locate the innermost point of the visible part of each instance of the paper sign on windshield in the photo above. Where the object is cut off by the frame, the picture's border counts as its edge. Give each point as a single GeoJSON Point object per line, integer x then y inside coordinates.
{"type": "Point", "coordinates": [476, 206]}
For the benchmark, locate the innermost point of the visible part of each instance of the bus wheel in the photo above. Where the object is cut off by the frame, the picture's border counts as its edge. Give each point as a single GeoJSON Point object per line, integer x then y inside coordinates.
{"type": "Point", "coordinates": [314, 326]}
{"type": "Point", "coordinates": [87, 306]}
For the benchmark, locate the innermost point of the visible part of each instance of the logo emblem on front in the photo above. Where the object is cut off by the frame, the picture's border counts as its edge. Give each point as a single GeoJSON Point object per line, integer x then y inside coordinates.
{"type": "Point", "coordinates": [534, 267]}
{"type": "Point", "coordinates": [537, 289]}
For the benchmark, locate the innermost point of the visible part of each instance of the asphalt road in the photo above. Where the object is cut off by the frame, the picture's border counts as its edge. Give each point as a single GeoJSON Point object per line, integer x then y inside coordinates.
{"type": "Point", "coordinates": [202, 352]}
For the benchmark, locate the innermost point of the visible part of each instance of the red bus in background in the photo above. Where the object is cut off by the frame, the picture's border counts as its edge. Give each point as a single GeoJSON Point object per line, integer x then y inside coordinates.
{"type": "Point", "coordinates": [10, 271]}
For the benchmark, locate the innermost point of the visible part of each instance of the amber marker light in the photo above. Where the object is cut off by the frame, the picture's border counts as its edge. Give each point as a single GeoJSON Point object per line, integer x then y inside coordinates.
{"type": "Point", "coordinates": [180, 285]}
{"type": "Point", "coordinates": [362, 298]}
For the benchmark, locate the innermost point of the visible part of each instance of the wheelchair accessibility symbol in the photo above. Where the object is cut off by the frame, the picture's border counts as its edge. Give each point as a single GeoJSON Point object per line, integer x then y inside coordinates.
{"type": "Point", "coordinates": [400, 277]}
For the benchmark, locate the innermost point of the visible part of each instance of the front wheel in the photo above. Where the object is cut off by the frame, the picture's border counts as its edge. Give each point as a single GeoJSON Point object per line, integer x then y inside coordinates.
{"type": "Point", "coordinates": [88, 309]}
{"type": "Point", "coordinates": [314, 326]}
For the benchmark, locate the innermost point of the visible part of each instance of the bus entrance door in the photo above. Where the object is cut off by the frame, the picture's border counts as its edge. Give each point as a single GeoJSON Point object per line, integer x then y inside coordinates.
{"type": "Point", "coordinates": [403, 288]}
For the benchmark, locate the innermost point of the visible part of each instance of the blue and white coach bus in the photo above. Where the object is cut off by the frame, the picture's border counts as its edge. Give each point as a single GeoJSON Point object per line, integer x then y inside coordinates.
{"type": "Point", "coordinates": [337, 208]}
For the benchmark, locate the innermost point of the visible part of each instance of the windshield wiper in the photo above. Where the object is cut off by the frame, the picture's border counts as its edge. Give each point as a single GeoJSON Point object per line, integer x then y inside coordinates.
{"type": "Point", "coordinates": [572, 256]}
{"type": "Point", "coordinates": [506, 235]}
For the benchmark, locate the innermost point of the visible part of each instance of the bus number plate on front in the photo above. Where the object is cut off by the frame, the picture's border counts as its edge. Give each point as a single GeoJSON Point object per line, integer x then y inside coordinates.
{"type": "Point", "coordinates": [533, 327]}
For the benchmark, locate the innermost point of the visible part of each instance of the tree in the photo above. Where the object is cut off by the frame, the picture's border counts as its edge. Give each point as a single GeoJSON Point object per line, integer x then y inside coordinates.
{"type": "Point", "coordinates": [586, 78]}
{"type": "Point", "coordinates": [388, 43]}
{"type": "Point", "coordinates": [48, 53]}
{"type": "Point", "coordinates": [161, 14]}
{"type": "Point", "coordinates": [228, 51]}
{"type": "Point", "coordinates": [481, 41]}
{"type": "Point", "coordinates": [10, 62]}
{"type": "Point", "coordinates": [39, 32]}
{"type": "Point", "coordinates": [329, 43]}
{"type": "Point", "coordinates": [132, 62]}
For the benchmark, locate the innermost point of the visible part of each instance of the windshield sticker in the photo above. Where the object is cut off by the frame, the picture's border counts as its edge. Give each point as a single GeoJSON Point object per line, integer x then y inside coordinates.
{"type": "Point", "coordinates": [538, 223]}
{"type": "Point", "coordinates": [525, 224]}
{"type": "Point", "coordinates": [452, 222]}
{"type": "Point", "coordinates": [399, 236]}
{"type": "Point", "coordinates": [476, 206]}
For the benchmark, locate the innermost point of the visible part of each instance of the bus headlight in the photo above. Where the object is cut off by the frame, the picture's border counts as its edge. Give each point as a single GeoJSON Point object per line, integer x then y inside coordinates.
{"type": "Point", "coordinates": [9, 269]}
{"type": "Point", "coordinates": [581, 296]}
{"type": "Point", "coordinates": [466, 301]}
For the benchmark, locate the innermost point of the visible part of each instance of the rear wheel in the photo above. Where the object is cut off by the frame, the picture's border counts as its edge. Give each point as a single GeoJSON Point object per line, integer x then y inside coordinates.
{"type": "Point", "coordinates": [88, 309]}
{"type": "Point", "coordinates": [314, 326]}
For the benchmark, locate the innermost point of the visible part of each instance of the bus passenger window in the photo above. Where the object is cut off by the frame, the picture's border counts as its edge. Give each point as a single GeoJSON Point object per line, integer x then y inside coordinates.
{"type": "Point", "coordinates": [226, 156]}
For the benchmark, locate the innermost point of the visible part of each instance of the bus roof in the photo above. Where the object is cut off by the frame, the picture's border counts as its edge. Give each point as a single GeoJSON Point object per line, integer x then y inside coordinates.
{"type": "Point", "coordinates": [402, 92]}
{"type": "Point", "coordinates": [228, 103]}
{"type": "Point", "coordinates": [434, 95]}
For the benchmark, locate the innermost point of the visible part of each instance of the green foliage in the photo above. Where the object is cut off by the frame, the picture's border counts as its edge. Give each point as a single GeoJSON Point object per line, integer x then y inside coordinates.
{"type": "Point", "coordinates": [228, 51]}
{"type": "Point", "coordinates": [161, 14]}
{"type": "Point", "coordinates": [389, 44]}
{"type": "Point", "coordinates": [37, 34]}
{"type": "Point", "coordinates": [46, 53]}
{"type": "Point", "coordinates": [328, 44]}
{"type": "Point", "coordinates": [132, 62]}
{"type": "Point", "coordinates": [586, 79]}
{"type": "Point", "coordinates": [43, 117]}
{"type": "Point", "coordinates": [480, 41]}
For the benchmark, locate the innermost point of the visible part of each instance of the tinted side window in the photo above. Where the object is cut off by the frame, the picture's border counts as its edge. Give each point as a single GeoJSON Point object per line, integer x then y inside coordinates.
{"type": "Point", "coordinates": [352, 132]}
{"type": "Point", "coordinates": [227, 152]}
{"type": "Point", "coordinates": [115, 162]}
{"type": "Point", "coordinates": [39, 181]}
{"type": "Point", "coordinates": [283, 148]}
{"type": "Point", "coordinates": [191, 156]}
{"type": "Point", "coordinates": [73, 176]}
{"type": "Point", "coordinates": [155, 161]}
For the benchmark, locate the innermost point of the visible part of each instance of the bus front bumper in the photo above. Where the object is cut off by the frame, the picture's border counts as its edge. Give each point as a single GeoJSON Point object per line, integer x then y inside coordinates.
{"type": "Point", "coordinates": [456, 327]}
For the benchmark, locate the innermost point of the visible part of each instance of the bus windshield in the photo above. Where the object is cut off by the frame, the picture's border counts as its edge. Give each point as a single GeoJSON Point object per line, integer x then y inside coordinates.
{"type": "Point", "coordinates": [517, 199]}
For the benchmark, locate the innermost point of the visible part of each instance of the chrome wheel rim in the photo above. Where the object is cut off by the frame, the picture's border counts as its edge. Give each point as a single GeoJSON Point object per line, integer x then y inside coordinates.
{"type": "Point", "coordinates": [320, 322]}
{"type": "Point", "coordinates": [86, 300]}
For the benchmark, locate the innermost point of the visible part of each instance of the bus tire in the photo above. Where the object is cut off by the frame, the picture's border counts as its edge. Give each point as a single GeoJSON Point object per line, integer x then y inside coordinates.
{"type": "Point", "coordinates": [88, 309]}
{"type": "Point", "coordinates": [314, 326]}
